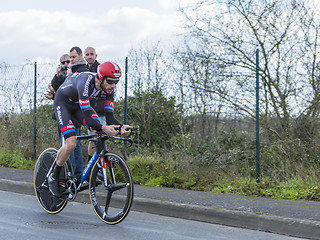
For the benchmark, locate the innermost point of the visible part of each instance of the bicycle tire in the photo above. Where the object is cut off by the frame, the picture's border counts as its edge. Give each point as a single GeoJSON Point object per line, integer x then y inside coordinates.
{"type": "Point", "coordinates": [48, 203]}
{"type": "Point", "coordinates": [120, 200]}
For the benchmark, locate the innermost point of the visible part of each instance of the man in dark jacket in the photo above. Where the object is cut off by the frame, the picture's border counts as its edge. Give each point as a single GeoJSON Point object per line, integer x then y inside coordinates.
{"type": "Point", "coordinates": [59, 77]}
{"type": "Point", "coordinates": [78, 64]}
{"type": "Point", "coordinates": [90, 56]}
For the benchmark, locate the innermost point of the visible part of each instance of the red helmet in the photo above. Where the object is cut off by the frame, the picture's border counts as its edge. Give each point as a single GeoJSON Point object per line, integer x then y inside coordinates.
{"type": "Point", "coordinates": [108, 69]}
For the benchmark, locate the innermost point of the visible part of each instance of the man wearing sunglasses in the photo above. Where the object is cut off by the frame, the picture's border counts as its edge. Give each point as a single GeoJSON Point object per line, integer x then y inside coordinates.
{"type": "Point", "coordinates": [59, 77]}
{"type": "Point", "coordinates": [72, 101]}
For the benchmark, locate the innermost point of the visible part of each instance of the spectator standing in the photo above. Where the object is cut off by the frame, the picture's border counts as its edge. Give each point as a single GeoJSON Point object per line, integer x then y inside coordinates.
{"type": "Point", "coordinates": [78, 64]}
{"type": "Point", "coordinates": [59, 77]}
{"type": "Point", "coordinates": [61, 74]}
{"type": "Point", "coordinates": [90, 56]}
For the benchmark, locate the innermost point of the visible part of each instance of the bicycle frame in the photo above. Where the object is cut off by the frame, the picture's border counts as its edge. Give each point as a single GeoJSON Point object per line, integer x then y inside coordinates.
{"type": "Point", "coordinates": [101, 149]}
{"type": "Point", "coordinates": [88, 168]}
{"type": "Point", "coordinates": [100, 139]}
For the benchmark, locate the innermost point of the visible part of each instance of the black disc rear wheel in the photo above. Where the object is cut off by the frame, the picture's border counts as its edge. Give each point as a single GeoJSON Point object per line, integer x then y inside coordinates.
{"type": "Point", "coordinates": [47, 202]}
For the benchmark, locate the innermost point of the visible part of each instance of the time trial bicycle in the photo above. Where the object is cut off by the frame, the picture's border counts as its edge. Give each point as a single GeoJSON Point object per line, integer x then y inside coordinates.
{"type": "Point", "coordinates": [109, 178]}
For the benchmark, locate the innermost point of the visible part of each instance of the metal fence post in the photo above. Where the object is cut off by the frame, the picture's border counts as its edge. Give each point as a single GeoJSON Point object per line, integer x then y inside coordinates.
{"type": "Point", "coordinates": [257, 120]}
{"type": "Point", "coordinates": [125, 102]}
{"type": "Point", "coordinates": [126, 92]}
{"type": "Point", "coordinates": [35, 112]}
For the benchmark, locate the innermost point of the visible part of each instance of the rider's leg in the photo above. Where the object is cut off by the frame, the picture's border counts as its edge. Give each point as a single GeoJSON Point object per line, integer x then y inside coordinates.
{"type": "Point", "coordinates": [65, 151]}
{"type": "Point", "coordinates": [78, 158]}
{"type": "Point", "coordinates": [62, 157]}
{"type": "Point", "coordinates": [91, 148]}
{"type": "Point", "coordinates": [64, 110]}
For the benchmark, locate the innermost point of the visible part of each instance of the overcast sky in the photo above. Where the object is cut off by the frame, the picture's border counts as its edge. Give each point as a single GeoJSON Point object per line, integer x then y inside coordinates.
{"type": "Point", "coordinates": [39, 30]}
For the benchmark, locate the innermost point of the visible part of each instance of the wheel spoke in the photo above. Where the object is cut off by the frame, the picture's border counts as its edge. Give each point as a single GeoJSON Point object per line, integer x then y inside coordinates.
{"type": "Point", "coordinates": [116, 187]}
{"type": "Point", "coordinates": [109, 195]}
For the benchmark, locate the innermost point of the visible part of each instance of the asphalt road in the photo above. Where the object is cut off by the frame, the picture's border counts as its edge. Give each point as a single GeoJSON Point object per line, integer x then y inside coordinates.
{"type": "Point", "coordinates": [292, 218]}
{"type": "Point", "coordinates": [22, 218]}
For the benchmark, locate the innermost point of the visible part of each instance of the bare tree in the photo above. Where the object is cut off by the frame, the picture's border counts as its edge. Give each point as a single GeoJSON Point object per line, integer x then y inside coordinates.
{"type": "Point", "coordinates": [285, 32]}
{"type": "Point", "coordinates": [197, 82]}
{"type": "Point", "coordinates": [147, 67]}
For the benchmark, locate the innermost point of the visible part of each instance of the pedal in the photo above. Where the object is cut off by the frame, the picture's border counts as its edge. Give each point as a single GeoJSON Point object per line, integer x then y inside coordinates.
{"type": "Point", "coordinates": [64, 194]}
{"type": "Point", "coordinates": [69, 194]}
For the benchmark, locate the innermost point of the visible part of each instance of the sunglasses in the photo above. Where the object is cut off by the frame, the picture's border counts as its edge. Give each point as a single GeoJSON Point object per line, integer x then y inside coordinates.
{"type": "Point", "coordinates": [63, 62]}
{"type": "Point", "coordinates": [112, 81]}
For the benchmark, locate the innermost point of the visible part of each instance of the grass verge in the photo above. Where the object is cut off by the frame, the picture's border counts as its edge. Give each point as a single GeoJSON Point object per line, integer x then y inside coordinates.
{"type": "Point", "coordinates": [155, 171]}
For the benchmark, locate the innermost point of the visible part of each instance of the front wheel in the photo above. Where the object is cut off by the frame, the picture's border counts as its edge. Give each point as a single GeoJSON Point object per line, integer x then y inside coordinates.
{"type": "Point", "coordinates": [111, 203]}
{"type": "Point", "coordinates": [44, 163]}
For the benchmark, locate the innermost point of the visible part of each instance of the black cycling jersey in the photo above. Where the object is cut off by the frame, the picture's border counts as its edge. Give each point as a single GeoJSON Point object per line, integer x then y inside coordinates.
{"type": "Point", "coordinates": [72, 101]}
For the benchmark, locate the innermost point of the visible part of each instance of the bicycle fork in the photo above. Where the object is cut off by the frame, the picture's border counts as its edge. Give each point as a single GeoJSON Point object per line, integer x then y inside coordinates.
{"type": "Point", "coordinates": [104, 171]}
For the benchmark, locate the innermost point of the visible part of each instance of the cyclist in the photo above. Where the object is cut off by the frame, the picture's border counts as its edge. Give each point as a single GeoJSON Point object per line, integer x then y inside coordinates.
{"type": "Point", "coordinates": [72, 102]}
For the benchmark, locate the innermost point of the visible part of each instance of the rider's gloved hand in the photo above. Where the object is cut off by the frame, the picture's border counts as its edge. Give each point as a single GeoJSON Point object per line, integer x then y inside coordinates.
{"type": "Point", "coordinates": [110, 130]}
{"type": "Point", "coordinates": [125, 130]}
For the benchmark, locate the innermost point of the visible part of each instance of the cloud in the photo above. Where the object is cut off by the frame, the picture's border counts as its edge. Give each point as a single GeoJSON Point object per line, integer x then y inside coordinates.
{"type": "Point", "coordinates": [32, 33]}
{"type": "Point", "coordinates": [170, 4]}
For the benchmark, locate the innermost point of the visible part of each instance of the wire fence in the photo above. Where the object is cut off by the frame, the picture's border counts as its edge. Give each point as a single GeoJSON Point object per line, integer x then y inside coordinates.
{"type": "Point", "coordinates": [162, 119]}
{"type": "Point", "coordinates": [175, 127]}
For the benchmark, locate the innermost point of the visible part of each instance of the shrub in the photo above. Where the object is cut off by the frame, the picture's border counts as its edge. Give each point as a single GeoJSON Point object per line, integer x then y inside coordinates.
{"type": "Point", "coordinates": [157, 117]}
{"type": "Point", "coordinates": [15, 159]}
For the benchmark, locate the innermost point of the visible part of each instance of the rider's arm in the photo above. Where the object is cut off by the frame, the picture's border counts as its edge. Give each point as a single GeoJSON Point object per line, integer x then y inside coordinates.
{"type": "Point", "coordinates": [111, 120]}
{"type": "Point", "coordinates": [90, 117]}
{"type": "Point", "coordinates": [109, 109]}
